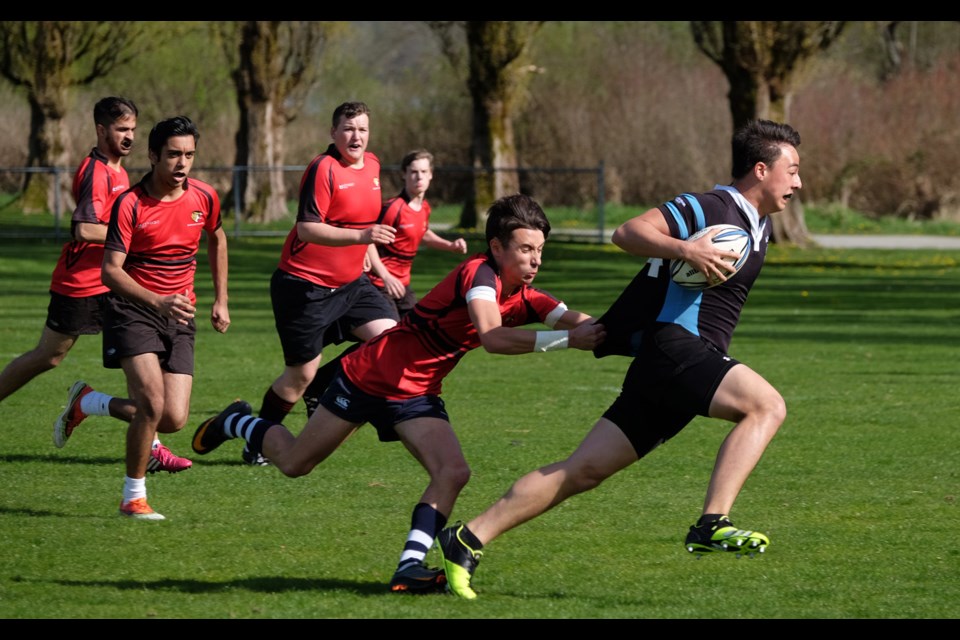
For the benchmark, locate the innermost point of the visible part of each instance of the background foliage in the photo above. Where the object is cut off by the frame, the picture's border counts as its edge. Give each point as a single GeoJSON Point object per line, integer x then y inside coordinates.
{"type": "Point", "coordinates": [636, 96]}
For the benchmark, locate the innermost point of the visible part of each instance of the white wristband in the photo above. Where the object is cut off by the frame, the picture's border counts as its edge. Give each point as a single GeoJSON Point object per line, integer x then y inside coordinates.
{"type": "Point", "coordinates": [551, 340]}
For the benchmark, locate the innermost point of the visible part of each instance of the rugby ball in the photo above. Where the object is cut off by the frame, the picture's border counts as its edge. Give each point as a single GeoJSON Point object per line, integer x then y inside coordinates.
{"type": "Point", "coordinates": [730, 238]}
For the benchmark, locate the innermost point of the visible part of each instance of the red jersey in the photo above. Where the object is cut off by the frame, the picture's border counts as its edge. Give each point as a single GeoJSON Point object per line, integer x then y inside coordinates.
{"type": "Point", "coordinates": [412, 358]}
{"type": "Point", "coordinates": [161, 239]}
{"type": "Point", "coordinates": [96, 186]}
{"type": "Point", "coordinates": [341, 197]}
{"type": "Point", "coordinates": [411, 225]}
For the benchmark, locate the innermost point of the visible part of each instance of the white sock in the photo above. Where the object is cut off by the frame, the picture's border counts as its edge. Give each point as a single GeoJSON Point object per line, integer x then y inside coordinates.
{"type": "Point", "coordinates": [156, 442]}
{"type": "Point", "coordinates": [134, 488]}
{"type": "Point", "coordinates": [96, 404]}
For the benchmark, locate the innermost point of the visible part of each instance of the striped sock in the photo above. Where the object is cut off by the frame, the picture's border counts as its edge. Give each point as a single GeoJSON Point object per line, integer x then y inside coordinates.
{"type": "Point", "coordinates": [425, 524]}
{"type": "Point", "coordinates": [250, 428]}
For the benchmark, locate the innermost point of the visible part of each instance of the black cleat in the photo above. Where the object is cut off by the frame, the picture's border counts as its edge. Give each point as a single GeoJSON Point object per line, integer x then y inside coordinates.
{"type": "Point", "coordinates": [418, 578]}
{"type": "Point", "coordinates": [210, 435]}
{"type": "Point", "coordinates": [722, 535]}
{"type": "Point", "coordinates": [254, 459]}
{"type": "Point", "coordinates": [459, 561]}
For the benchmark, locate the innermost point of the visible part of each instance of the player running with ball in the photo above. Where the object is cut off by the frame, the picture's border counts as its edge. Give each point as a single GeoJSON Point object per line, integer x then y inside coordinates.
{"type": "Point", "coordinates": [678, 339]}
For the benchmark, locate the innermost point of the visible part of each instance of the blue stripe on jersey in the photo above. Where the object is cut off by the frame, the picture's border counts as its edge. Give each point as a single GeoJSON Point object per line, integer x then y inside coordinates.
{"type": "Point", "coordinates": [697, 211]}
{"type": "Point", "coordinates": [682, 306]}
{"type": "Point", "coordinates": [684, 232]}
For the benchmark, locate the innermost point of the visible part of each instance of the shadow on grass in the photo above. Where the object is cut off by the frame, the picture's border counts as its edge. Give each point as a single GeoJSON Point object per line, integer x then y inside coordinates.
{"type": "Point", "coordinates": [264, 584]}
{"type": "Point", "coordinates": [30, 458]}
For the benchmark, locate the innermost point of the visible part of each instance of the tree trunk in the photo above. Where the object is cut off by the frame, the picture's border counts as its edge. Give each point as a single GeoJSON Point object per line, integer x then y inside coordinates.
{"type": "Point", "coordinates": [760, 60]}
{"type": "Point", "coordinates": [260, 144]}
{"type": "Point", "coordinates": [277, 66]}
{"type": "Point", "coordinates": [496, 79]}
{"type": "Point", "coordinates": [47, 148]}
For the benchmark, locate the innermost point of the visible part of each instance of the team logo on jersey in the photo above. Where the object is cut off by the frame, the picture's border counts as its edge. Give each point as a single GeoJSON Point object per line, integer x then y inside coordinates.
{"type": "Point", "coordinates": [376, 183]}
{"type": "Point", "coordinates": [197, 216]}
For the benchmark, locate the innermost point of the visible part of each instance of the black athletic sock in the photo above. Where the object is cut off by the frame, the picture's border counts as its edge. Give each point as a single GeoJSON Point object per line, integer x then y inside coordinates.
{"type": "Point", "coordinates": [274, 407]}
{"type": "Point", "coordinates": [708, 518]}
{"type": "Point", "coordinates": [425, 523]}
{"type": "Point", "coordinates": [250, 429]}
{"type": "Point", "coordinates": [326, 373]}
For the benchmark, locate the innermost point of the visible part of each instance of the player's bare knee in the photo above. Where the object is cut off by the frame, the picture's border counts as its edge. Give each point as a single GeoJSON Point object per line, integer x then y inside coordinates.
{"type": "Point", "coordinates": [51, 361]}
{"type": "Point", "coordinates": [775, 409]}
{"type": "Point", "coordinates": [452, 474]}
{"type": "Point", "coordinates": [584, 478]}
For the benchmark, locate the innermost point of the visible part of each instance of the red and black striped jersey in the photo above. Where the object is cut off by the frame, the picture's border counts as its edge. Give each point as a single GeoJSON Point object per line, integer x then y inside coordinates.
{"type": "Point", "coordinates": [411, 225]}
{"type": "Point", "coordinates": [340, 196]}
{"type": "Point", "coordinates": [413, 358]}
{"type": "Point", "coordinates": [96, 186]}
{"type": "Point", "coordinates": [161, 239]}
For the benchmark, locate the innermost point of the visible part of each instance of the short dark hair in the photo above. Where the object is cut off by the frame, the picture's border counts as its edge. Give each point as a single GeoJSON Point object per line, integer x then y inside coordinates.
{"type": "Point", "coordinates": [349, 110]}
{"type": "Point", "coordinates": [515, 212]}
{"type": "Point", "coordinates": [759, 141]}
{"type": "Point", "coordinates": [171, 128]}
{"type": "Point", "coordinates": [413, 156]}
{"type": "Point", "coordinates": [109, 110]}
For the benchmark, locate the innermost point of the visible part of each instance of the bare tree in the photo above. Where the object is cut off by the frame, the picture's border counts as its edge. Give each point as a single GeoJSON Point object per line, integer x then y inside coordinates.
{"type": "Point", "coordinates": [497, 76]}
{"type": "Point", "coordinates": [47, 59]}
{"type": "Point", "coordinates": [760, 60]}
{"type": "Point", "coordinates": [274, 67]}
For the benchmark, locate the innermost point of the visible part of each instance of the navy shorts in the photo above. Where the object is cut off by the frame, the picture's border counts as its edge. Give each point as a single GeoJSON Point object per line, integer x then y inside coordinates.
{"type": "Point", "coordinates": [130, 329]}
{"type": "Point", "coordinates": [76, 316]}
{"type": "Point", "coordinates": [308, 317]}
{"type": "Point", "coordinates": [670, 381]}
{"type": "Point", "coordinates": [343, 399]}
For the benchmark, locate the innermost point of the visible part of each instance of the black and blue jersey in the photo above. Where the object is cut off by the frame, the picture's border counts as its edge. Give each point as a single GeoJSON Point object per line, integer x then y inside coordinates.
{"type": "Point", "coordinates": [653, 297]}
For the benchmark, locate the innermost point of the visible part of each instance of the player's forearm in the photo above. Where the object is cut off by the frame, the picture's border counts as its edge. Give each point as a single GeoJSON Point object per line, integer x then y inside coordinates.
{"type": "Point", "coordinates": [217, 255]}
{"type": "Point", "coordinates": [325, 234]}
{"type": "Point", "coordinates": [572, 318]}
{"type": "Point", "coordinates": [120, 283]}
{"type": "Point", "coordinates": [90, 232]}
{"type": "Point", "coordinates": [641, 237]}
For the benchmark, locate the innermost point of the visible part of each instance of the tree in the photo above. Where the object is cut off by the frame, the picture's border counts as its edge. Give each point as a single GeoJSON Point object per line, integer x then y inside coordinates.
{"type": "Point", "coordinates": [760, 61]}
{"type": "Point", "coordinates": [497, 75]}
{"type": "Point", "coordinates": [47, 59]}
{"type": "Point", "coordinates": [275, 65]}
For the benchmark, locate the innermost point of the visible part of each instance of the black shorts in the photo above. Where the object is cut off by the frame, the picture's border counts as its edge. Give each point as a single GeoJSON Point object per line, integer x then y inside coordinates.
{"type": "Point", "coordinates": [130, 329]}
{"type": "Point", "coordinates": [76, 316]}
{"type": "Point", "coordinates": [343, 399]}
{"type": "Point", "coordinates": [405, 304]}
{"type": "Point", "coordinates": [671, 381]}
{"type": "Point", "coordinates": [308, 317]}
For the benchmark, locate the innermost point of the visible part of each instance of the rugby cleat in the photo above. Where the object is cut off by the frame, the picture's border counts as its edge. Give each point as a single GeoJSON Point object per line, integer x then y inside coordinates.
{"type": "Point", "coordinates": [722, 535]}
{"type": "Point", "coordinates": [72, 415]}
{"type": "Point", "coordinates": [162, 459]}
{"type": "Point", "coordinates": [254, 459]}
{"type": "Point", "coordinates": [418, 578]}
{"type": "Point", "coordinates": [210, 435]}
{"type": "Point", "coordinates": [138, 509]}
{"type": "Point", "coordinates": [459, 560]}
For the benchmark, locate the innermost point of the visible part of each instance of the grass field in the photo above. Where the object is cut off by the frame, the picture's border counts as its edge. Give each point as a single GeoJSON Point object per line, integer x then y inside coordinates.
{"type": "Point", "coordinates": [858, 491]}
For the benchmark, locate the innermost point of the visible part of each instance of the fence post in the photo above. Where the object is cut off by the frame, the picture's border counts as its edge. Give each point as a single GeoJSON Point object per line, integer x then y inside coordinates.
{"type": "Point", "coordinates": [56, 204]}
{"type": "Point", "coordinates": [236, 202]}
{"type": "Point", "coordinates": [600, 202]}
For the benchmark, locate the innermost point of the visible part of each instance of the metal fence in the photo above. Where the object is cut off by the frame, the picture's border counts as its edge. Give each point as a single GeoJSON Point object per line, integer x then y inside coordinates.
{"type": "Point", "coordinates": [577, 187]}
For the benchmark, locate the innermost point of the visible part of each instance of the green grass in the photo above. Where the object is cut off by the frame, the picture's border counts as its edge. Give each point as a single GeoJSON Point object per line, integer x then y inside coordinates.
{"type": "Point", "coordinates": [820, 219]}
{"type": "Point", "coordinates": [858, 491]}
